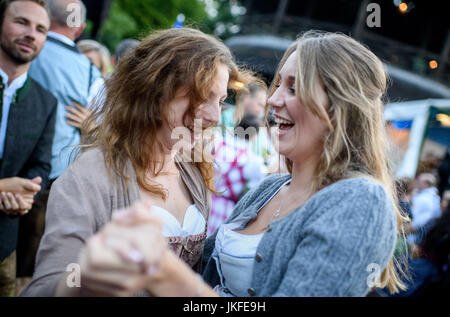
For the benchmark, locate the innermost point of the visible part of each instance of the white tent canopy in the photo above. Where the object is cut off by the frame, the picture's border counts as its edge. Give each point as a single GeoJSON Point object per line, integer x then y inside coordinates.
{"type": "Point", "coordinates": [419, 112]}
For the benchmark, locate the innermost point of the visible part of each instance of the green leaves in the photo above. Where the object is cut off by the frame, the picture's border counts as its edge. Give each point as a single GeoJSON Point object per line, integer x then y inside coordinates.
{"type": "Point", "coordinates": [136, 18]}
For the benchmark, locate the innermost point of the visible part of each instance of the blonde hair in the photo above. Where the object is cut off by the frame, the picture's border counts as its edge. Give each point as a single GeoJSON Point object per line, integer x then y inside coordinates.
{"type": "Point", "coordinates": [87, 46]}
{"type": "Point", "coordinates": [355, 81]}
{"type": "Point", "coordinates": [141, 87]}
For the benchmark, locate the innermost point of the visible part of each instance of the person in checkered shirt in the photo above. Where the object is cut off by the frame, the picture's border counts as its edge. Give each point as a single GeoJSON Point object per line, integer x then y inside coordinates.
{"type": "Point", "coordinates": [237, 170]}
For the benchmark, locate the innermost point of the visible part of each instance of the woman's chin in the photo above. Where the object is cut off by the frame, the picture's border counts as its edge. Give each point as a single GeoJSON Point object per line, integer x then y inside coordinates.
{"type": "Point", "coordinates": [289, 151]}
{"type": "Point", "coordinates": [283, 150]}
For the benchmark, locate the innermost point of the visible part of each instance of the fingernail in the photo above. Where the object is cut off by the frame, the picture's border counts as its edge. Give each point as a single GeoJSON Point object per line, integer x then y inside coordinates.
{"type": "Point", "coordinates": [152, 269]}
{"type": "Point", "coordinates": [135, 256]}
{"type": "Point", "coordinates": [97, 238]}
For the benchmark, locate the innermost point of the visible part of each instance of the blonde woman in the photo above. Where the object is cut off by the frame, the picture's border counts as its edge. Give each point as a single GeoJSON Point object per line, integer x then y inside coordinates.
{"type": "Point", "coordinates": [328, 228]}
{"type": "Point", "coordinates": [98, 54]}
{"type": "Point", "coordinates": [172, 78]}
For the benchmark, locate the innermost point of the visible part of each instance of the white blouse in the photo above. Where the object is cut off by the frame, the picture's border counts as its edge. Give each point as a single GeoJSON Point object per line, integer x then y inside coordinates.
{"type": "Point", "coordinates": [193, 222]}
{"type": "Point", "coordinates": [236, 244]}
{"type": "Point", "coordinates": [236, 255]}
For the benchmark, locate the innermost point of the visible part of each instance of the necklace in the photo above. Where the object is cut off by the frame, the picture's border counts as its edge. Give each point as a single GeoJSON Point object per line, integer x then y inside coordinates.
{"type": "Point", "coordinates": [276, 213]}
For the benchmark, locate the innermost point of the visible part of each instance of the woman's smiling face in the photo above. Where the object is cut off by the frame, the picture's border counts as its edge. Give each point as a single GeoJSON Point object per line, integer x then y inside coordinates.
{"type": "Point", "coordinates": [207, 113]}
{"type": "Point", "coordinates": [300, 132]}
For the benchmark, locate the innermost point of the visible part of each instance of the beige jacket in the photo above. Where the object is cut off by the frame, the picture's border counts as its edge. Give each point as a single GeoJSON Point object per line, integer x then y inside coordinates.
{"type": "Point", "coordinates": [81, 202]}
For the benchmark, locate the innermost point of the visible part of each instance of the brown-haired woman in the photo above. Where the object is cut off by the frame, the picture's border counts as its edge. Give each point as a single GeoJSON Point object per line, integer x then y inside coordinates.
{"type": "Point", "coordinates": [173, 77]}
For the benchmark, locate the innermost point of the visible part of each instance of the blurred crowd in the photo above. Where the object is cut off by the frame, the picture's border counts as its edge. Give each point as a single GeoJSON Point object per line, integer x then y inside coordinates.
{"type": "Point", "coordinates": [425, 200]}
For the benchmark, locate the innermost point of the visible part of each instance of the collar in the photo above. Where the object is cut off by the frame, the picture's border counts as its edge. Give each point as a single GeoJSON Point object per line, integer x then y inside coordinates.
{"type": "Point", "coordinates": [250, 211]}
{"type": "Point", "coordinates": [193, 179]}
{"type": "Point", "coordinates": [61, 38]}
{"type": "Point", "coordinates": [429, 190]}
{"type": "Point", "coordinates": [15, 85]}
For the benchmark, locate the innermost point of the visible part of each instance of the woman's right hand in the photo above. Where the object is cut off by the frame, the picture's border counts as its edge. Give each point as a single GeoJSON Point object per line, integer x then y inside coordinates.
{"type": "Point", "coordinates": [125, 255]}
{"type": "Point", "coordinates": [165, 274]}
{"type": "Point", "coordinates": [131, 254]}
{"type": "Point", "coordinates": [142, 232]}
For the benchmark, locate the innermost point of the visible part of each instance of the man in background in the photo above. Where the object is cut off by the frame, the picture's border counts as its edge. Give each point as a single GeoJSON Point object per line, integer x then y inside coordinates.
{"type": "Point", "coordinates": [124, 47]}
{"type": "Point", "coordinates": [27, 113]}
{"type": "Point", "coordinates": [69, 75]}
{"type": "Point", "coordinates": [425, 207]}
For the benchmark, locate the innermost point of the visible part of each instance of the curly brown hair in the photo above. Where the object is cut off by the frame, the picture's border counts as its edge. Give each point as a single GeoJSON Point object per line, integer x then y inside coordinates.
{"type": "Point", "coordinates": [139, 90]}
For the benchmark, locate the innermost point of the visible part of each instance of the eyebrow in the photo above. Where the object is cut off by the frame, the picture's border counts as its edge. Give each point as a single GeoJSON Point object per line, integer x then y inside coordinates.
{"type": "Point", "coordinates": [19, 17]}
{"type": "Point", "coordinates": [212, 93]}
{"type": "Point", "coordinates": [289, 77]}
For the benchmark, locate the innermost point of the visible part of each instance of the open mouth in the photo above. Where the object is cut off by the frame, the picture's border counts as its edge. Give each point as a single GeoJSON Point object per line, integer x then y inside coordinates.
{"type": "Point", "coordinates": [284, 124]}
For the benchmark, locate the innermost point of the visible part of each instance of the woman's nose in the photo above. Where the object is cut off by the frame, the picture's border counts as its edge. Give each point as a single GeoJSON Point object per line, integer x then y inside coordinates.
{"type": "Point", "coordinates": [209, 113]}
{"type": "Point", "coordinates": [276, 100]}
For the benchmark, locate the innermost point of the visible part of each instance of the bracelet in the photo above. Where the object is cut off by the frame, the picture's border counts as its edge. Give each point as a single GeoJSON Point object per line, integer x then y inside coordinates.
{"type": "Point", "coordinates": [199, 285]}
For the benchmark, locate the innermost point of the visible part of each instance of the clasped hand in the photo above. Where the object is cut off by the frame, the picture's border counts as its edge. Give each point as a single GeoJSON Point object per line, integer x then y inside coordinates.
{"type": "Point", "coordinates": [125, 256]}
{"type": "Point", "coordinates": [17, 194]}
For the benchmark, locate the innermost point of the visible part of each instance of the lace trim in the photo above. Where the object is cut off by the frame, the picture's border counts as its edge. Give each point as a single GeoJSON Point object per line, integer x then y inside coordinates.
{"type": "Point", "coordinates": [180, 239]}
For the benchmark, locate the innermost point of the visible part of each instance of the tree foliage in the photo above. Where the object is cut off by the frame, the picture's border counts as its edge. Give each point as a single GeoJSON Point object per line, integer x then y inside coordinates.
{"type": "Point", "coordinates": [135, 18]}
{"type": "Point", "coordinates": [227, 19]}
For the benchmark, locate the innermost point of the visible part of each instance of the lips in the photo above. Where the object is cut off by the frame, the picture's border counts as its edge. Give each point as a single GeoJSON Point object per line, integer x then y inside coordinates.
{"type": "Point", "coordinates": [26, 46]}
{"type": "Point", "coordinates": [280, 119]}
{"type": "Point", "coordinates": [283, 123]}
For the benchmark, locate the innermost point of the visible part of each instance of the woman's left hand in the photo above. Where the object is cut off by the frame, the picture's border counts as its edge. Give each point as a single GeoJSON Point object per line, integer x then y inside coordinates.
{"type": "Point", "coordinates": [76, 115]}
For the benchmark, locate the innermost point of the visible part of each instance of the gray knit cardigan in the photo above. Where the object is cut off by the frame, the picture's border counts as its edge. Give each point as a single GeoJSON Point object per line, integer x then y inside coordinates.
{"type": "Point", "coordinates": [333, 245]}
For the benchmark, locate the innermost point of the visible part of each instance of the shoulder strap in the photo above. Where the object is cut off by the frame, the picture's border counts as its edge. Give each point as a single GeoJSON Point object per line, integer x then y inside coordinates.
{"type": "Point", "coordinates": [58, 42]}
{"type": "Point", "coordinates": [91, 65]}
{"type": "Point", "coordinates": [194, 182]}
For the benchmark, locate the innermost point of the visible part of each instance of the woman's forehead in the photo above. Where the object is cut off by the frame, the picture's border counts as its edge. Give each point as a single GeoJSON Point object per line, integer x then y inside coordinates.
{"type": "Point", "coordinates": [220, 84]}
{"type": "Point", "coordinates": [288, 69]}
